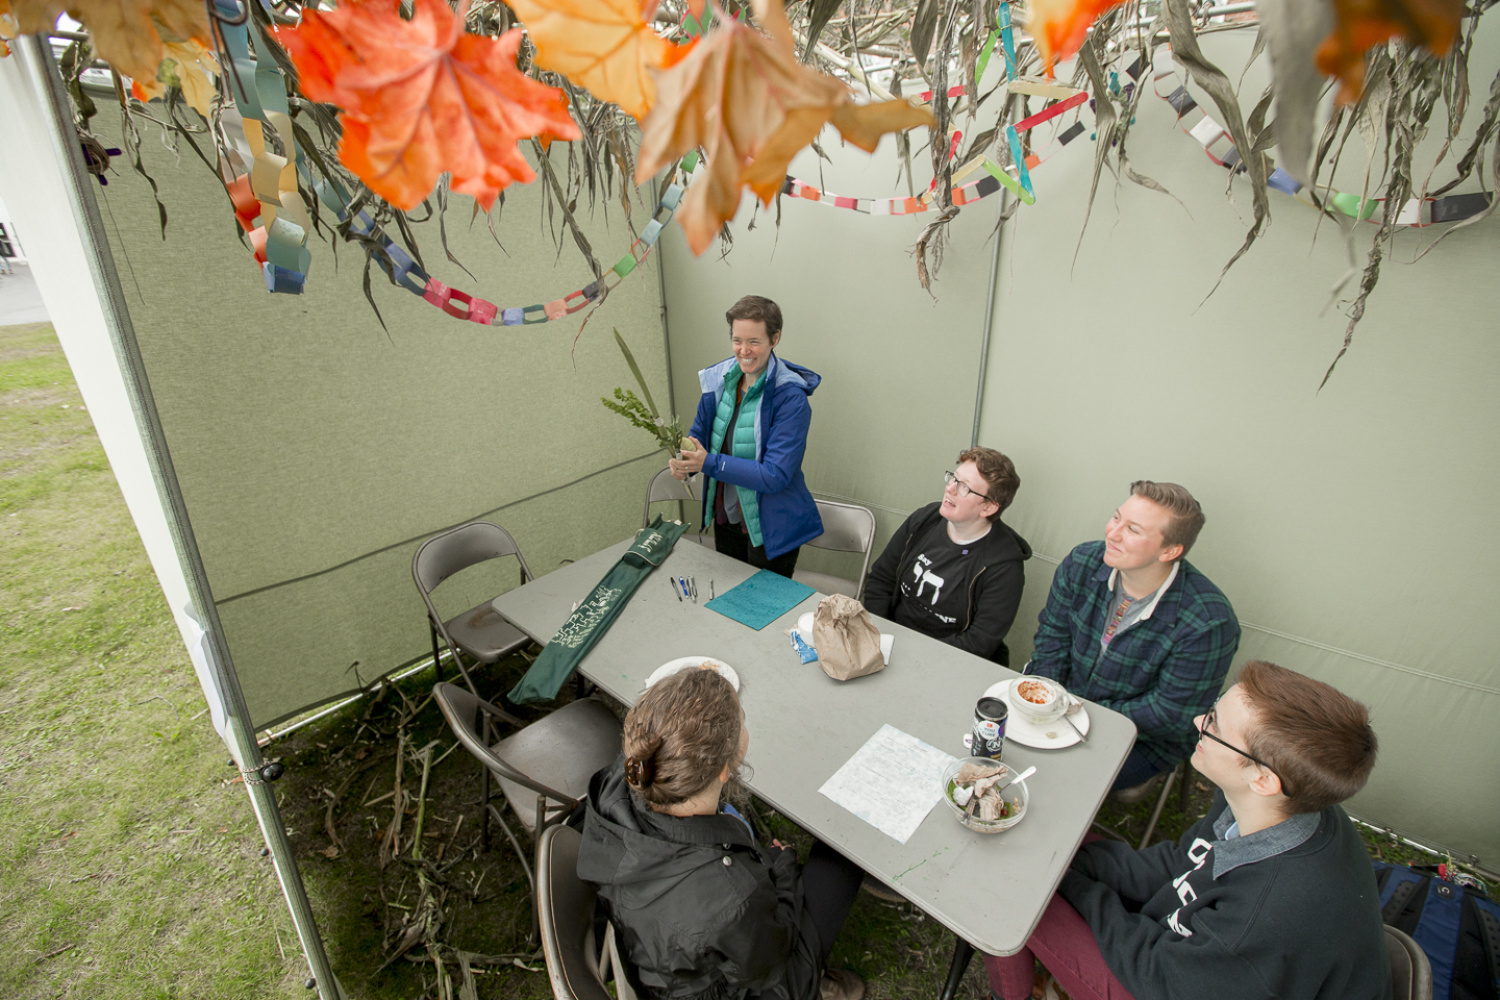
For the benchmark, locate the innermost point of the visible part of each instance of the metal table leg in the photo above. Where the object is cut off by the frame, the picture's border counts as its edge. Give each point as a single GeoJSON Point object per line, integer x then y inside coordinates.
{"type": "Point", "coordinates": [963, 951]}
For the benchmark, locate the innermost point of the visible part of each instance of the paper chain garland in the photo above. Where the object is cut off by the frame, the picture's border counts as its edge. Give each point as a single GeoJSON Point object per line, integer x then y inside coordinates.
{"type": "Point", "coordinates": [270, 209]}
{"type": "Point", "coordinates": [1210, 134]}
{"type": "Point", "coordinates": [965, 194]}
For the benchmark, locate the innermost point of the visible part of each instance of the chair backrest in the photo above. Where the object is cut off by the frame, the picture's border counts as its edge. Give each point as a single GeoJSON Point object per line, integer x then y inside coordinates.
{"type": "Point", "coordinates": [1411, 972]}
{"type": "Point", "coordinates": [465, 712]}
{"type": "Point", "coordinates": [565, 911]}
{"type": "Point", "coordinates": [457, 549]}
{"type": "Point", "coordinates": [664, 486]}
{"type": "Point", "coordinates": [847, 527]}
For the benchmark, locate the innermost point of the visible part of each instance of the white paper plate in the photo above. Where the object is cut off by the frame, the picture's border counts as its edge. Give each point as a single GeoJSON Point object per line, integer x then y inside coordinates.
{"type": "Point", "coordinates": [805, 629]}
{"type": "Point", "coordinates": [684, 662]}
{"type": "Point", "coordinates": [1052, 736]}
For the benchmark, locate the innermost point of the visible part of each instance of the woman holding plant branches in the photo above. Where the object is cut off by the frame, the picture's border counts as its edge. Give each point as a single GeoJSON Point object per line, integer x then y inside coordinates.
{"type": "Point", "coordinates": [754, 416]}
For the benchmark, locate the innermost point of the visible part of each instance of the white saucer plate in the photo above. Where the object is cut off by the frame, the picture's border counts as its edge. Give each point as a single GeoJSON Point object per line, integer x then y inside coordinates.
{"type": "Point", "coordinates": [1052, 736]}
{"type": "Point", "coordinates": [684, 662]}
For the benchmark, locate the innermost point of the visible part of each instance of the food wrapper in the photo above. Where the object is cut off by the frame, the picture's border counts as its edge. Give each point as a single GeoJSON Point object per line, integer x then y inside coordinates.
{"type": "Point", "coordinates": [806, 652]}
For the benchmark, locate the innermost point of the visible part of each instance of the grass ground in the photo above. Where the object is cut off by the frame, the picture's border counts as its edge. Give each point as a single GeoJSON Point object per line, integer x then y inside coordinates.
{"type": "Point", "coordinates": [130, 862]}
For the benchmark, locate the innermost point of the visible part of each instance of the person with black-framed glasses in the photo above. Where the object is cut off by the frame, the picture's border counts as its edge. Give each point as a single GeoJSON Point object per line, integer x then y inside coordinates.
{"type": "Point", "coordinates": [1270, 894]}
{"type": "Point", "coordinates": [954, 570]}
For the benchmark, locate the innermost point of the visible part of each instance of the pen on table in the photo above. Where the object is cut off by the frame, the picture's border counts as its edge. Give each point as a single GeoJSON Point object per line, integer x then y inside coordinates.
{"type": "Point", "coordinates": [693, 580]}
{"type": "Point", "coordinates": [710, 590]}
{"type": "Point", "coordinates": [674, 591]}
{"type": "Point", "coordinates": [683, 581]}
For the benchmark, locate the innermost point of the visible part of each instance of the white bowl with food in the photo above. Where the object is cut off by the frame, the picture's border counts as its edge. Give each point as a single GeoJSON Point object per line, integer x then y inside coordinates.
{"type": "Point", "coordinates": [1040, 699]}
{"type": "Point", "coordinates": [971, 791]}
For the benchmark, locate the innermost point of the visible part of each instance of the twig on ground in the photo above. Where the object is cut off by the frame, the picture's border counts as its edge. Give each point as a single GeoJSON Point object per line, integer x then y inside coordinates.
{"type": "Point", "coordinates": [156, 697]}
{"type": "Point", "coordinates": [56, 951]}
{"type": "Point", "coordinates": [392, 841]}
{"type": "Point", "coordinates": [416, 839]}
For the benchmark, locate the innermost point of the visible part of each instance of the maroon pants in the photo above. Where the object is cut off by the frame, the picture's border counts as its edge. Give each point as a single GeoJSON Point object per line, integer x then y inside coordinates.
{"type": "Point", "coordinates": [1066, 946]}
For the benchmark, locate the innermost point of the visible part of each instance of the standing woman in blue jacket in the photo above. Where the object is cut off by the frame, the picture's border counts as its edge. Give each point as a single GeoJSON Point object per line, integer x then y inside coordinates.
{"type": "Point", "coordinates": [754, 416]}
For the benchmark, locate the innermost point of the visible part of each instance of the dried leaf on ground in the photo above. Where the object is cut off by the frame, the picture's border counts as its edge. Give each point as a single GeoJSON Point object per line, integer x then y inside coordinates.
{"type": "Point", "coordinates": [607, 46]}
{"type": "Point", "coordinates": [742, 96]}
{"type": "Point", "coordinates": [421, 97]}
{"type": "Point", "coordinates": [128, 34]}
{"type": "Point", "coordinates": [1360, 25]}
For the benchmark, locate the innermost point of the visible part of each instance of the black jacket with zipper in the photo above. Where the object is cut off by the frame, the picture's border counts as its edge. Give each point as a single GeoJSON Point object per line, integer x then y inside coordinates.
{"type": "Point", "coordinates": [994, 589]}
{"type": "Point", "coordinates": [700, 909]}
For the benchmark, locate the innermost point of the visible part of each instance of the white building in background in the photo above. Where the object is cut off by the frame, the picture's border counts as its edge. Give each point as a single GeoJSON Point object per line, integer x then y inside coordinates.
{"type": "Point", "coordinates": [8, 235]}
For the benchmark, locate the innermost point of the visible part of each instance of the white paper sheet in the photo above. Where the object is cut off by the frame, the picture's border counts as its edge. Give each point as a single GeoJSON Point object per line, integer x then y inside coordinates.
{"type": "Point", "coordinates": [892, 782]}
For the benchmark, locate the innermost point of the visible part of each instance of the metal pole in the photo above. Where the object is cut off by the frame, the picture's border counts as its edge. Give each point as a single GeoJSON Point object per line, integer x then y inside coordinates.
{"type": "Point", "coordinates": [989, 318]}
{"type": "Point", "coordinates": [239, 735]}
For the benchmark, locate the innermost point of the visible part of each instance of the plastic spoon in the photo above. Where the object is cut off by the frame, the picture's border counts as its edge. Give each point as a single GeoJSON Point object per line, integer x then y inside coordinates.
{"type": "Point", "coordinates": [1020, 777]}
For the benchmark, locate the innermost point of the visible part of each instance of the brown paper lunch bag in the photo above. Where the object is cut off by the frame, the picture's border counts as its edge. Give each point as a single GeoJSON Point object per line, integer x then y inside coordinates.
{"type": "Point", "coordinates": [847, 641]}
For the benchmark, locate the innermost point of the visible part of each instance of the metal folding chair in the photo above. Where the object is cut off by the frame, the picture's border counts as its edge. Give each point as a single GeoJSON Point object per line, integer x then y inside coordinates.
{"type": "Point", "coordinates": [542, 769]}
{"type": "Point", "coordinates": [481, 632]}
{"type": "Point", "coordinates": [577, 967]}
{"type": "Point", "coordinates": [664, 487]}
{"type": "Point", "coordinates": [847, 527]}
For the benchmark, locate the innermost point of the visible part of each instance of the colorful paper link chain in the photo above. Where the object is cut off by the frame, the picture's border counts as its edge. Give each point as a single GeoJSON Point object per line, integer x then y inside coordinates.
{"type": "Point", "coordinates": [964, 194]}
{"type": "Point", "coordinates": [267, 196]}
{"type": "Point", "coordinates": [1210, 134]}
{"type": "Point", "coordinates": [271, 211]}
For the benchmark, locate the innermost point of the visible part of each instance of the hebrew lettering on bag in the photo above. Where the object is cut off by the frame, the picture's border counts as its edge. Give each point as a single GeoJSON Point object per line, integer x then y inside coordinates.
{"type": "Point", "coordinates": [582, 622]}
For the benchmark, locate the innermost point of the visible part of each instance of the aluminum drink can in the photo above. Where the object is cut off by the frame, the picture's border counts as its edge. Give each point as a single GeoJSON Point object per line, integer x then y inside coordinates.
{"type": "Point", "coordinates": [989, 728]}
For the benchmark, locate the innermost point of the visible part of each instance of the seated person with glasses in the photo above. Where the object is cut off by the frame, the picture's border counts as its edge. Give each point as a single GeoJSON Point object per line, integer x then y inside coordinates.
{"type": "Point", "coordinates": [1132, 625]}
{"type": "Point", "coordinates": [1270, 894]}
{"type": "Point", "coordinates": [953, 570]}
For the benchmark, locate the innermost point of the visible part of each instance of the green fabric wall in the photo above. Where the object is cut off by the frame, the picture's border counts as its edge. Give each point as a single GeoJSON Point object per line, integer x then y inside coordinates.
{"type": "Point", "coordinates": [316, 451]}
{"type": "Point", "coordinates": [1350, 527]}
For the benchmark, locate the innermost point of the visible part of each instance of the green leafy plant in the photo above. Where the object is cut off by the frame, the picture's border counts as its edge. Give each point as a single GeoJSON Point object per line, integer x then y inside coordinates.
{"type": "Point", "coordinates": [645, 415]}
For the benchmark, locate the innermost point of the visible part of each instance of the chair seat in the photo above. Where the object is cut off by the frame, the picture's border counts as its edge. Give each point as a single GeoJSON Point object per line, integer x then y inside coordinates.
{"type": "Point", "coordinates": [561, 751]}
{"type": "Point", "coordinates": [484, 634]}
{"type": "Point", "coordinates": [827, 584]}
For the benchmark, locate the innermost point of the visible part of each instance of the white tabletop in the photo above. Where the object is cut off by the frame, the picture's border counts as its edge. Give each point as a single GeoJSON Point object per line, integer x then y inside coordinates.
{"type": "Point", "coordinates": [990, 889]}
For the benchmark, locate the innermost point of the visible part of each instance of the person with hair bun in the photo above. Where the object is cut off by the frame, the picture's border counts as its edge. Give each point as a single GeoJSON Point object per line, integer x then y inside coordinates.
{"type": "Point", "coordinates": [701, 908]}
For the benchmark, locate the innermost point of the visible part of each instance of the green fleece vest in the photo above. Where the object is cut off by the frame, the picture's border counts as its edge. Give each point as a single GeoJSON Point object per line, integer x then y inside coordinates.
{"type": "Point", "coordinates": [742, 445]}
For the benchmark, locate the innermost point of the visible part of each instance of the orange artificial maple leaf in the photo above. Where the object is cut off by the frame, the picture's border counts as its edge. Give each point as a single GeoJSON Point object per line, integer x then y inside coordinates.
{"type": "Point", "coordinates": [1059, 26]}
{"type": "Point", "coordinates": [8, 28]}
{"type": "Point", "coordinates": [607, 46]}
{"type": "Point", "coordinates": [422, 97]}
{"type": "Point", "coordinates": [744, 98]}
{"type": "Point", "coordinates": [1359, 25]}
{"type": "Point", "coordinates": [128, 34]}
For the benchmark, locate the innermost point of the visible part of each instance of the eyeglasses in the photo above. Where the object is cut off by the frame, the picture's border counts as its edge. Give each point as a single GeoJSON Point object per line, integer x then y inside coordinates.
{"type": "Point", "coordinates": [1211, 720]}
{"type": "Point", "coordinates": [964, 489]}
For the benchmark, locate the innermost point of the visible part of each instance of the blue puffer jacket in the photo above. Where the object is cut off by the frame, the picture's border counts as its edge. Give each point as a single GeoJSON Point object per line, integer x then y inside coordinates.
{"type": "Point", "coordinates": [788, 516]}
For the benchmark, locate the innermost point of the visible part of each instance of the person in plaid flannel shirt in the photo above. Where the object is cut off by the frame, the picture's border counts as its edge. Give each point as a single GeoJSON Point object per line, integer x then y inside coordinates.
{"type": "Point", "coordinates": [1132, 625]}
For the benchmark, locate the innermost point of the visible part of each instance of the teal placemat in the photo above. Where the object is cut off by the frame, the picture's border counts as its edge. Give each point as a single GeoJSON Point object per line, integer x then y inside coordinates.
{"type": "Point", "coordinates": [761, 600]}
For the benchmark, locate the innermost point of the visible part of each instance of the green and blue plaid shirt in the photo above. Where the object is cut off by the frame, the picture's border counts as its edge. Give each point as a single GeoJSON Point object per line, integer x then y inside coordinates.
{"type": "Point", "coordinates": [1160, 673]}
